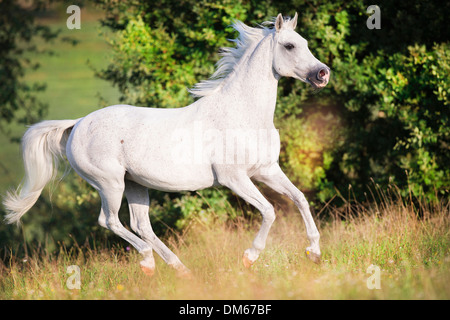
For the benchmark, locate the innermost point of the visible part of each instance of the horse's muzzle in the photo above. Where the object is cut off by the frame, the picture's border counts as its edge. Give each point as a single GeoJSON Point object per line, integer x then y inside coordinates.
{"type": "Point", "coordinates": [319, 77]}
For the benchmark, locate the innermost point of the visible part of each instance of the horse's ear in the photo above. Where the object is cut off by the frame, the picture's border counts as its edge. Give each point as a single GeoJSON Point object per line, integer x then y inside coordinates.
{"type": "Point", "coordinates": [279, 22]}
{"type": "Point", "coordinates": [294, 21]}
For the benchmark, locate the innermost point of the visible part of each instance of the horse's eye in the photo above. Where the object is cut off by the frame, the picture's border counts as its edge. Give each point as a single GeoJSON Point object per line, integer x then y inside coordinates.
{"type": "Point", "coordinates": [289, 46]}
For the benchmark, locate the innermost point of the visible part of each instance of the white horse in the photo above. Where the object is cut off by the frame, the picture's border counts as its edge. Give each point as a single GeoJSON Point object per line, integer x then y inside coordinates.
{"type": "Point", "coordinates": [129, 149]}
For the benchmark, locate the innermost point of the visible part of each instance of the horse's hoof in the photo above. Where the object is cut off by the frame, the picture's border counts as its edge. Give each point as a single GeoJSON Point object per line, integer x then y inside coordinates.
{"type": "Point", "coordinates": [314, 257]}
{"type": "Point", "coordinates": [148, 271]}
{"type": "Point", "coordinates": [246, 261]}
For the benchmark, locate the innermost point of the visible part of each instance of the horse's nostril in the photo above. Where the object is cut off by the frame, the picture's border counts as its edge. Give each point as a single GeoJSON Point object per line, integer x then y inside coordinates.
{"type": "Point", "coordinates": [321, 74]}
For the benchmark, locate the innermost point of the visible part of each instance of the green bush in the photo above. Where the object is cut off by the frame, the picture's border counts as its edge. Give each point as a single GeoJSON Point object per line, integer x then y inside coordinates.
{"type": "Point", "coordinates": [397, 118]}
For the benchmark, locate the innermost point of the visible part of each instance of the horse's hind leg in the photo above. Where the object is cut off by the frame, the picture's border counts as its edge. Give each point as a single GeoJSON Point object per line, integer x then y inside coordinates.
{"type": "Point", "coordinates": [111, 195]}
{"type": "Point", "coordinates": [138, 203]}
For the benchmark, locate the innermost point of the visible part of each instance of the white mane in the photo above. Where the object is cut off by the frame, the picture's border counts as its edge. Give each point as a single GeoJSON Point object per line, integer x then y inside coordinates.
{"type": "Point", "coordinates": [246, 41]}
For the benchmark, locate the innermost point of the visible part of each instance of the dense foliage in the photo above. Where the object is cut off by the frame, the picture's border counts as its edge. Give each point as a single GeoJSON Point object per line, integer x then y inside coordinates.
{"type": "Point", "coordinates": [386, 106]}
{"type": "Point", "coordinates": [18, 102]}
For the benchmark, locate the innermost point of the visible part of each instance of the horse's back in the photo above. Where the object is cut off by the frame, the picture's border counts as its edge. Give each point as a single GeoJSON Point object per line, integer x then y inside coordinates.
{"type": "Point", "coordinates": [138, 142]}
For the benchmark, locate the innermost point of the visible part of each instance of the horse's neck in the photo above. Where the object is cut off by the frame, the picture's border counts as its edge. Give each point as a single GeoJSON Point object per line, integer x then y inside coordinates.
{"type": "Point", "coordinates": [251, 92]}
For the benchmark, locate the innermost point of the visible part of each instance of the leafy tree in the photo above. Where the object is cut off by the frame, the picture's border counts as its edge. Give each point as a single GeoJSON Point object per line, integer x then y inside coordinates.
{"type": "Point", "coordinates": [18, 102]}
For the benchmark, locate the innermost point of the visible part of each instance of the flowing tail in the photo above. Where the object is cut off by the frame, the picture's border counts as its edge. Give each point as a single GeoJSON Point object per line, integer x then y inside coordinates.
{"type": "Point", "coordinates": [43, 145]}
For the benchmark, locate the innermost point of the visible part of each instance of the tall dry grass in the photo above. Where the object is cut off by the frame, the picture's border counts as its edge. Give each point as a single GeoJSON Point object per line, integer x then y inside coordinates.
{"type": "Point", "coordinates": [410, 245]}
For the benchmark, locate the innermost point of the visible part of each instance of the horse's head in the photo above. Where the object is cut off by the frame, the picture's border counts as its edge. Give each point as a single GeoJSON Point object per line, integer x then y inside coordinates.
{"type": "Point", "coordinates": [292, 57]}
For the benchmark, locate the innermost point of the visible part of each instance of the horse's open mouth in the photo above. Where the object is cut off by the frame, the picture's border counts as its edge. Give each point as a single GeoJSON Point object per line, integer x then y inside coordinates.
{"type": "Point", "coordinates": [317, 85]}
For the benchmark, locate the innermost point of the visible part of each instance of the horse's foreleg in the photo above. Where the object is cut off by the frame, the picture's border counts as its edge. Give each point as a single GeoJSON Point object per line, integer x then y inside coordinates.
{"type": "Point", "coordinates": [138, 203]}
{"type": "Point", "coordinates": [277, 180]}
{"type": "Point", "coordinates": [244, 187]}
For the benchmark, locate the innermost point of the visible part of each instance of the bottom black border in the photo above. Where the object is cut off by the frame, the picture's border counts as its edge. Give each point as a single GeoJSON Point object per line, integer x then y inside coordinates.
{"type": "Point", "coordinates": [217, 309]}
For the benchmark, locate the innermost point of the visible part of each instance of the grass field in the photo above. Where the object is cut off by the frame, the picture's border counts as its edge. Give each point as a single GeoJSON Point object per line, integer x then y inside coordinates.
{"type": "Point", "coordinates": [412, 254]}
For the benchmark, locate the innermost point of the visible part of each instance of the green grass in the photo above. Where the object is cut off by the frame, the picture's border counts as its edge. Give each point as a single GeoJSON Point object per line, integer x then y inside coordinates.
{"type": "Point", "coordinates": [72, 88]}
{"type": "Point", "coordinates": [412, 253]}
